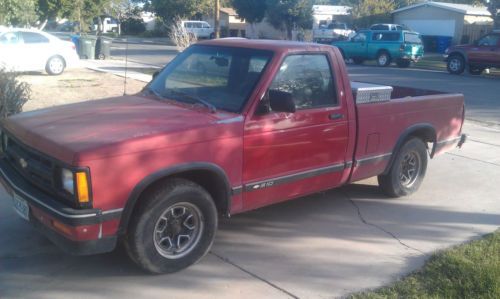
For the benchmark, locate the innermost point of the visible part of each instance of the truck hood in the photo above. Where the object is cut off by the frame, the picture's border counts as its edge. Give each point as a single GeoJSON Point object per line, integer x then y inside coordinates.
{"type": "Point", "coordinates": [114, 126]}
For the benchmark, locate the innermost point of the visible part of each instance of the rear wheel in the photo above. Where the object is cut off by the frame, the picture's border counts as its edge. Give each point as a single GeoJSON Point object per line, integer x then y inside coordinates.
{"type": "Point", "coordinates": [455, 64]}
{"type": "Point", "coordinates": [403, 63]}
{"type": "Point", "coordinates": [173, 228]}
{"type": "Point", "coordinates": [55, 65]}
{"type": "Point", "coordinates": [383, 58]}
{"type": "Point", "coordinates": [475, 70]}
{"type": "Point", "coordinates": [407, 171]}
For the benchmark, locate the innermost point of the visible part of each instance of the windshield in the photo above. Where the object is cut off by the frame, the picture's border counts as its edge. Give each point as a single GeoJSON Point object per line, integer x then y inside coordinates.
{"type": "Point", "coordinates": [412, 38]}
{"type": "Point", "coordinates": [217, 77]}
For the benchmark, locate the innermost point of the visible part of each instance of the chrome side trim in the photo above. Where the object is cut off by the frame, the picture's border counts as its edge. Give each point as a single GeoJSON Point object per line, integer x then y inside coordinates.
{"type": "Point", "coordinates": [294, 177]}
{"type": "Point", "coordinates": [373, 159]}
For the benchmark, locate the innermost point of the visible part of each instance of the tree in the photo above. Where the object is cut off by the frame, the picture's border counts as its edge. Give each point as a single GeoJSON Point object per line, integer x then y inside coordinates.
{"type": "Point", "coordinates": [494, 8]}
{"type": "Point", "coordinates": [288, 14]}
{"type": "Point", "coordinates": [253, 11]}
{"type": "Point", "coordinates": [17, 12]}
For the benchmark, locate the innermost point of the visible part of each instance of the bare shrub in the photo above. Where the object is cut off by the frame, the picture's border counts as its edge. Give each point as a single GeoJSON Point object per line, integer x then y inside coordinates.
{"type": "Point", "coordinates": [13, 94]}
{"type": "Point", "coordinates": [180, 36]}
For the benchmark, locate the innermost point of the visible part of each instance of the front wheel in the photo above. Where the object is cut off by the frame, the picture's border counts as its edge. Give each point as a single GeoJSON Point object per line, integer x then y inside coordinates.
{"type": "Point", "coordinates": [383, 59]}
{"type": "Point", "coordinates": [55, 66]}
{"type": "Point", "coordinates": [173, 228]}
{"type": "Point", "coordinates": [407, 170]}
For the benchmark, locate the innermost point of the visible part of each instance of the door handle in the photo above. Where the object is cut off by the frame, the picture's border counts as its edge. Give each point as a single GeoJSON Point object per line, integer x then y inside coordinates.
{"type": "Point", "coordinates": [335, 116]}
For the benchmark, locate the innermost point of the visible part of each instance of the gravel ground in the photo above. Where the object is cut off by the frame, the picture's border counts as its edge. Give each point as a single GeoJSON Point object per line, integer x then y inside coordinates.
{"type": "Point", "coordinates": [74, 86]}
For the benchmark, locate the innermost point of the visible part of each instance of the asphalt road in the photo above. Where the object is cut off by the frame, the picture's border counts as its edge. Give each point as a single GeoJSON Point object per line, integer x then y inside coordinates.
{"type": "Point", "coordinates": [321, 246]}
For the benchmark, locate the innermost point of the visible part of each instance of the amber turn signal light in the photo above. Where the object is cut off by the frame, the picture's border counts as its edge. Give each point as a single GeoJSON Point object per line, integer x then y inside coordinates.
{"type": "Point", "coordinates": [82, 187]}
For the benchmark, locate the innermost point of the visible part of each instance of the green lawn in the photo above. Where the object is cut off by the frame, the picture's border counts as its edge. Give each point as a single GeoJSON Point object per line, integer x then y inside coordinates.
{"type": "Point", "coordinates": [471, 270]}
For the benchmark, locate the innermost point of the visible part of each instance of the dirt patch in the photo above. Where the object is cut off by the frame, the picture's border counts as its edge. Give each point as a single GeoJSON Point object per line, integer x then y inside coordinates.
{"type": "Point", "coordinates": [74, 86]}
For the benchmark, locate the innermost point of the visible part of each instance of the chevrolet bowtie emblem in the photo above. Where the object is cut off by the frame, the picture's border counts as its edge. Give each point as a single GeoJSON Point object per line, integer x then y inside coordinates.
{"type": "Point", "coordinates": [23, 163]}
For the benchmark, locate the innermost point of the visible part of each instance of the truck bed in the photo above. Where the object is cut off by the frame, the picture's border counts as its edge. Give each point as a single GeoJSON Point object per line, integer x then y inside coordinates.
{"type": "Point", "coordinates": [382, 126]}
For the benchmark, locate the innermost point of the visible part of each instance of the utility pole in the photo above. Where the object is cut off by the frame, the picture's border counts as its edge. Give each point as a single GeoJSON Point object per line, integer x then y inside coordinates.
{"type": "Point", "coordinates": [217, 19]}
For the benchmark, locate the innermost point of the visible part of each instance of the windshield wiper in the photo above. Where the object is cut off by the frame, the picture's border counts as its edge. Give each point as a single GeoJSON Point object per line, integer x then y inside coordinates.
{"type": "Point", "coordinates": [211, 107]}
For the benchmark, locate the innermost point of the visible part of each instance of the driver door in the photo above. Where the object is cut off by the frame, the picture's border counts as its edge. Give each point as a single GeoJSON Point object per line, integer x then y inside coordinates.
{"type": "Point", "coordinates": [484, 52]}
{"type": "Point", "coordinates": [358, 45]}
{"type": "Point", "coordinates": [288, 155]}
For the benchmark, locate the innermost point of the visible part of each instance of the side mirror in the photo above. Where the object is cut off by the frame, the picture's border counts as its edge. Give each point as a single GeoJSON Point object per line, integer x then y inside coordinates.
{"type": "Point", "coordinates": [281, 101]}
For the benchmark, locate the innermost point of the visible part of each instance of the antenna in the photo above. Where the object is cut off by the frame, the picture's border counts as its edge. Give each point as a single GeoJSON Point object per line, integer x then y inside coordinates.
{"type": "Point", "coordinates": [126, 67]}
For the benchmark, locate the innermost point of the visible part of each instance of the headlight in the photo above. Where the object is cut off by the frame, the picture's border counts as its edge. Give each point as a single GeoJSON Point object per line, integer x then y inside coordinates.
{"type": "Point", "coordinates": [77, 181]}
{"type": "Point", "coordinates": [67, 180]}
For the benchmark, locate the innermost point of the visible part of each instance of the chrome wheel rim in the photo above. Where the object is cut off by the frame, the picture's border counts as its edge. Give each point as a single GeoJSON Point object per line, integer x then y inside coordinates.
{"type": "Point", "coordinates": [410, 169]}
{"type": "Point", "coordinates": [178, 230]}
{"type": "Point", "coordinates": [455, 64]}
{"type": "Point", "coordinates": [56, 65]}
{"type": "Point", "coordinates": [382, 60]}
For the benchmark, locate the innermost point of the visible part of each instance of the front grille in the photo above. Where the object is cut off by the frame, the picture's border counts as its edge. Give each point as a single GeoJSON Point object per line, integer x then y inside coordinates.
{"type": "Point", "coordinates": [36, 168]}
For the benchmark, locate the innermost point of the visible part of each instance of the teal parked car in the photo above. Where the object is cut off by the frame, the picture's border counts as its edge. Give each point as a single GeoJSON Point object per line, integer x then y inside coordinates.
{"type": "Point", "coordinates": [402, 47]}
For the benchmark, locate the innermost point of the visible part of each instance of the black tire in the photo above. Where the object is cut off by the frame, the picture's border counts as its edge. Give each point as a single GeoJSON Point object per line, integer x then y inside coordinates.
{"type": "Point", "coordinates": [400, 180]}
{"type": "Point", "coordinates": [212, 35]}
{"type": "Point", "coordinates": [403, 63]}
{"type": "Point", "coordinates": [475, 70]}
{"type": "Point", "coordinates": [455, 64]}
{"type": "Point", "coordinates": [55, 65]}
{"type": "Point", "coordinates": [358, 60]}
{"type": "Point", "coordinates": [383, 58]}
{"type": "Point", "coordinates": [146, 242]}
{"type": "Point", "coordinates": [101, 57]}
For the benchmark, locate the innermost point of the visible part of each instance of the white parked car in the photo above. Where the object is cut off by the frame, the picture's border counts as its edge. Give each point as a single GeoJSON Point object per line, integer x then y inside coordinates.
{"type": "Point", "coordinates": [200, 29]}
{"type": "Point", "coordinates": [25, 50]}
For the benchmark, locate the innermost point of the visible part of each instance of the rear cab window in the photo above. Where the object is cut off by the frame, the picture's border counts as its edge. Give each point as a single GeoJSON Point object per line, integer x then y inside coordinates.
{"type": "Point", "coordinates": [412, 38]}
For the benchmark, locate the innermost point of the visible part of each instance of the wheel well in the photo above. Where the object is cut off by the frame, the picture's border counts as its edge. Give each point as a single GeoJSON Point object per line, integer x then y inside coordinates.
{"type": "Point", "coordinates": [424, 132]}
{"type": "Point", "coordinates": [456, 54]}
{"type": "Point", "coordinates": [215, 184]}
{"type": "Point", "coordinates": [383, 50]}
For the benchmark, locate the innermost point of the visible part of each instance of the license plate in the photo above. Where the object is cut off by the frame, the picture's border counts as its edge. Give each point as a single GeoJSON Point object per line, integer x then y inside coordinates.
{"type": "Point", "coordinates": [21, 207]}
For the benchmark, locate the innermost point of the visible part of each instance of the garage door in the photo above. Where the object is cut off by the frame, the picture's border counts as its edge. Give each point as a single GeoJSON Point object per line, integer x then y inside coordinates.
{"type": "Point", "coordinates": [432, 27]}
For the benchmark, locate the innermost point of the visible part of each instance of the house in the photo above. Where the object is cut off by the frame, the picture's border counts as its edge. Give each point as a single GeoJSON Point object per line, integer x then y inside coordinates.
{"type": "Point", "coordinates": [461, 22]}
{"type": "Point", "coordinates": [230, 22]}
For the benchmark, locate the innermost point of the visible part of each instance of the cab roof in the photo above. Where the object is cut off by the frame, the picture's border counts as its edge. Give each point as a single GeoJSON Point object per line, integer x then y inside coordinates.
{"type": "Point", "coordinates": [266, 44]}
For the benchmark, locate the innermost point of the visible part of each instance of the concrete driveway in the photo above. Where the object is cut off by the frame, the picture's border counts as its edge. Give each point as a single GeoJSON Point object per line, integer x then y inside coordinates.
{"type": "Point", "coordinates": [322, 246]}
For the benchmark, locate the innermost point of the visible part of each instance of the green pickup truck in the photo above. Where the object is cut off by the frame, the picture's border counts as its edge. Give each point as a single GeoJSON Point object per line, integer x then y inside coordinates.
{"type": "Point", "coordinates": [402, 47]}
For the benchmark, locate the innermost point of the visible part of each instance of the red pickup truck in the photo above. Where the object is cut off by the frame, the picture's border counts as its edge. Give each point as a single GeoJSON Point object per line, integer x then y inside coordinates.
{"type": "Point", "coordinates": [228, 126]}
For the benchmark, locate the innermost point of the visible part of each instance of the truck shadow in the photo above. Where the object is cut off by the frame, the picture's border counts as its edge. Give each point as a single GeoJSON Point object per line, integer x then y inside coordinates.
{"type": "Point", "coordinates": [326, 223]}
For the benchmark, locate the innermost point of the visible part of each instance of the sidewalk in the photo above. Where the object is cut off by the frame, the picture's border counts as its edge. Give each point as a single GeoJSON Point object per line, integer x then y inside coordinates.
{"type": "Point", "coordinates": [133, 70]}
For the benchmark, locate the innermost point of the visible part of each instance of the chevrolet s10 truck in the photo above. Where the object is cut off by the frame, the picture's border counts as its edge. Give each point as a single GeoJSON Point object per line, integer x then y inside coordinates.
{"type": "Point", "coordinates": [228, 126]}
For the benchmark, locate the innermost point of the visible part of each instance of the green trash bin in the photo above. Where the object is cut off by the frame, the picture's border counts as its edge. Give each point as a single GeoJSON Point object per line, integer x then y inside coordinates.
{"type": "Point", "coordinates": [87, 47]}
{"type": "Point", "coordinates": [102, 48]}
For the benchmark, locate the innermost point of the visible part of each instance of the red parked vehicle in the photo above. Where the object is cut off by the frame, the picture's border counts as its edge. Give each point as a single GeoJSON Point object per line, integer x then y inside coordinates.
{"type": "Point", "coordinates": [228, 126]}
{"type": "Point", "coordinates": [483, 54]}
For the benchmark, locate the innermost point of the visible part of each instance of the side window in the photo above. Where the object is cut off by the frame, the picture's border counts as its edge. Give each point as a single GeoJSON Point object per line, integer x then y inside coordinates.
{"type": "Point", "coordinates": [360, 37]}
{"type": "Point", "coordinates": [489, 40]}
{"type": "Point", "coordinates": [9, 38]}
{"type": "Point", "coordinates": [205, 25]}
{"type": "Point", "coordinates": [34, 38]}
{"type": "Point", "coordinates": [309, 79]}
{"type": "Point", "coordinates": [197, 25]}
